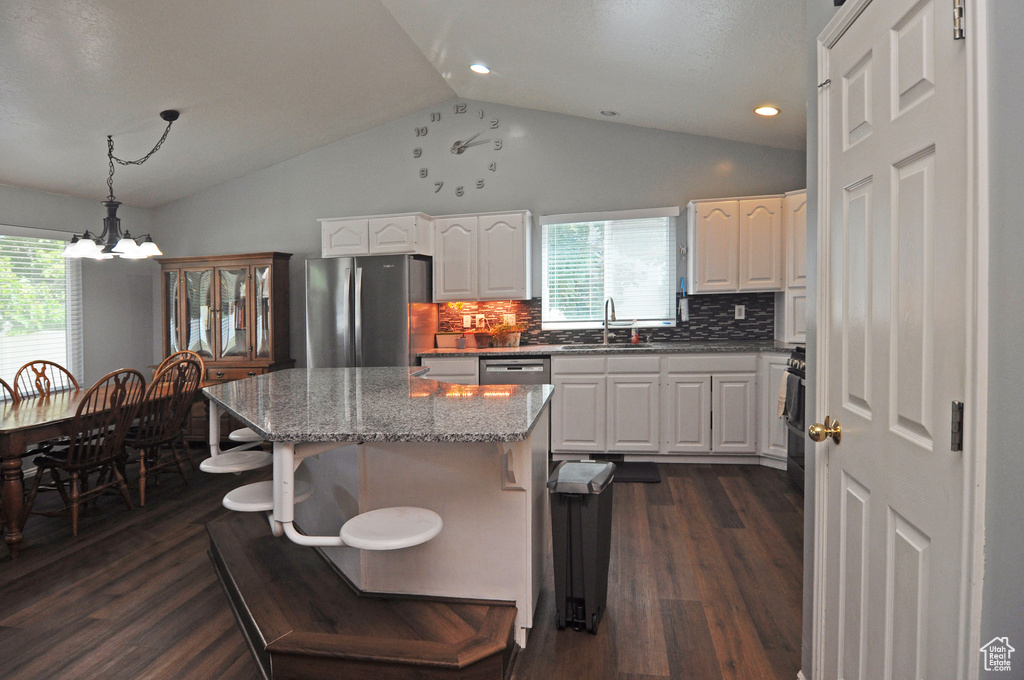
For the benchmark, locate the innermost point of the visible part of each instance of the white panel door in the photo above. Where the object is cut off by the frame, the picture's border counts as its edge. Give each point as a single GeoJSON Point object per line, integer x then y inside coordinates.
{"type": "Point", "coordinates": [794, 217]}
{"type": "Point", "coordinates": [396, 234]}
{"type": "Point", "coordinates": [344, 238]}
{"type": "Point", "coordinates": [578, 410]}
{"type": "Point", "coordinates": [894, 349]}
{"type": "Point", "coordinates": [760, 244]}
{"type": "Point", "coordinates": [504, 253]}
{"type": "Point", "coordinates": [686, 412]}
{"type": "Point", "coordinates": [633, 414]}
{"type": "Point", "coordinates": [716, 226]}
{"type": "Point", "coordinates": [734, 413]}
{"type": "Point", "coordinates": [455, 259]}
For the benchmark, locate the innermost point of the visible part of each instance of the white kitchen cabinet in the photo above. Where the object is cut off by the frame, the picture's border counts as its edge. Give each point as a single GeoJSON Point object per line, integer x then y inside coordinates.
{"type": "Point", "coordinates": [794, 316]}
{"type": "Point", "coordinates": [772, 438]}
{"type": "Point", "coordinates": [686, 412]}
{"type": "Point", "coordinates": [377, 235]}
{"type": "Point", "coordinates": [734, 415]}
{"type": "Point", "coordinates": [633, 415]}
{"type": "Point", "coordinates": [578, 406]}
{"type": "Point", "coordinates": [482, 257]}
{"type": "Point", "coordinates": [735, 244]}
{"type": "Point", "coordinates": [457, 370]}
{"type": "Point", "coordinates": [761, 244]}
{"type": "Point", "coordinates": [794, 214]}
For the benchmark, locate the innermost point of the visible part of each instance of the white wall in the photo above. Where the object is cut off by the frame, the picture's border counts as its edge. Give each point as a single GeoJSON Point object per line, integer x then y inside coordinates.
{"type": "Point", "coordinates": [550, 163]}
{"type": "Point", "coordinates": [117, 294]}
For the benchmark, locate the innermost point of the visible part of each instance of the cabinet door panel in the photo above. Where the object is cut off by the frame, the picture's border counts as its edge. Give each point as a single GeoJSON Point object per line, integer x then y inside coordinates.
{"type": "Point", "coordinates": [687, 413]}
{"type": "Point", "coordinates": [199, 312]}
{"type": "Point", "coordinates": [455, 261]}
{"type": "Point", "coordinates": [578, 414]}
{"type": "Point", "coordinates": [393, 234]}
{"type": "Point", "coordinates": [795, 215]}
{"type": "Point", "coordinates": [633, 413]}
{"type": "Point", "coordinates": [772, 439]}
{"type": "Point", "coordinates": [715, 244]}
{"type": "Point", "coordinates": [503, 263]}
{"type": "Point", "coordinates": [261, 312]}
{"type": "Point", "coordinates": [340, 238]}
{"type": "Point", "coordinates": [761, 244]}
{"type": "Point", "coordinates": [173, 326]}
{"type": "Point", "coordinates": [232, 324]}
{"type": "Point", "coordinates": [734, 428]}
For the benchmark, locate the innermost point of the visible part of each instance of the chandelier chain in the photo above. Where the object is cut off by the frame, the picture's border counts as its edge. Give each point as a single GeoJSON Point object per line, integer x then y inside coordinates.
{"type": "Point", "coordinates": [111, 158]}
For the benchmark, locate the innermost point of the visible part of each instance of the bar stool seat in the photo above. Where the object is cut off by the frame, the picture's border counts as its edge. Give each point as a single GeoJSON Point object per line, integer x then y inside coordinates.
{"type": "Point", "coordinates": [391, 528]}
{"type": "Point", "coordinates": [245, 435]}
{"type": "Point", "coordinates": [236, 461]}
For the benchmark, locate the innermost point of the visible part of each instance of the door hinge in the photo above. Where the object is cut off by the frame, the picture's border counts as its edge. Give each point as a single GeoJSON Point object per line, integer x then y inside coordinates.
{"type": "Point", "coordinates": [956, 439]}
{"type": "Point", "coordinates": [959, 32]}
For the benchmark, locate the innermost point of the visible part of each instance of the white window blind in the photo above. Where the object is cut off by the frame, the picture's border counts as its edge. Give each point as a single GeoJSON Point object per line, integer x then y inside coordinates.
{"type": "Point", "coordinates": [40, 303]}
{"type": "Point", "coordinates": [629, 257]}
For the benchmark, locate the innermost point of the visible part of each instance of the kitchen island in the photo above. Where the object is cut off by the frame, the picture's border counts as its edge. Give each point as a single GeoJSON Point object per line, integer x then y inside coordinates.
{"type": "Point", "coordinates": [372, 438]}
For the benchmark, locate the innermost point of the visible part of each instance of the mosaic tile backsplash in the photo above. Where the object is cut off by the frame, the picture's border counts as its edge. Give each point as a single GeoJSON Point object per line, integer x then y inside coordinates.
{"type": "Point", "coordinates": [711, 318]}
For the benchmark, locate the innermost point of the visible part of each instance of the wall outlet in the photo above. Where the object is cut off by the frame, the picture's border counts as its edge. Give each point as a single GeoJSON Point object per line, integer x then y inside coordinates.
{"type": "Point", "coordinates": [741, 311]}
{"type": "Point", "coordinates": [467, 321]}
{"type": "Point", "coordinates": [481, 321]}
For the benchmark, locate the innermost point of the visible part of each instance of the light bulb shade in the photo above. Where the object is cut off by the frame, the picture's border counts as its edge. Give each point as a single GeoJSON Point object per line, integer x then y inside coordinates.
{"type": "Point", "coordinates": [126, 246]}
{"type": "Point", "coordinates": [86, 247]}
{"type": "Point", "coordinates": [149, 249]}
{"type": "Point", "coordinates": [71, 249]}
{"type": "Point", "coordinates": [100, 255]}
{"type": "Point", "coordinates": [134, 255]}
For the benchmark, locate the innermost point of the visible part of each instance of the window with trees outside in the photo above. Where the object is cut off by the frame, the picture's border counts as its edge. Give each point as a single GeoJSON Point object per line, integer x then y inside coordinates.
{"type": "Point", "coordinates": [40, 301]}
{"type": "Point", "coordinates": [629, 256]}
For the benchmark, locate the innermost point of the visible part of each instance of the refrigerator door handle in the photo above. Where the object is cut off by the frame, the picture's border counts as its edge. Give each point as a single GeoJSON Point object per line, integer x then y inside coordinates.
{"type": "Point", "coordinates": [359, 316]}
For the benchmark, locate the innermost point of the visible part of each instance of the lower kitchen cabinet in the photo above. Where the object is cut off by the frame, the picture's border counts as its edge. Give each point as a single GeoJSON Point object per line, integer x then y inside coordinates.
{"type": "Point", "coordinates": [733, 405]}
{"type": "Point", "coordinates": [579, 404]}
{"type": "Point", "coordinates": [456, 370]}
{"type": "Point", "coordinates": [686, 413]}
{"type": "Point", "coordinates": [633, 414]}
{"type": "Point", "coordinates": [773, 440]}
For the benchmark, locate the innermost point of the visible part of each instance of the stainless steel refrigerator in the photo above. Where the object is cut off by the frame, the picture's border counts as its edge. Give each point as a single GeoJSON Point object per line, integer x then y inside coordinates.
{"type": "Point", "coordinates": [368, 311]}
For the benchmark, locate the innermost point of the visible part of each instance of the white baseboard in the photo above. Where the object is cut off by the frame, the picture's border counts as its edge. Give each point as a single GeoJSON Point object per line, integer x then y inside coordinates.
{"type": "Point", "coordinates": [774, 463]}
{"type": "Point", "coordinates": [711, 459]}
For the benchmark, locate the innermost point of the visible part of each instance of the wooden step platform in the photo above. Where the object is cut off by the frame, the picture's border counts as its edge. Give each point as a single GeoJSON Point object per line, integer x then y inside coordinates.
{"type": "Point", "coordinates": [302, 620]}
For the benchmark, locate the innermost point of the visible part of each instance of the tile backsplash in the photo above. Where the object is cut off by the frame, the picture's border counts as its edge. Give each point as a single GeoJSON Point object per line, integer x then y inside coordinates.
{"type": "Point", "coordinates": [711, 318]}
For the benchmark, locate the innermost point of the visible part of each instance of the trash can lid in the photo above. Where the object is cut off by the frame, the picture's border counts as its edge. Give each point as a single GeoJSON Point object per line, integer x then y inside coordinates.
{"type": "Point", "coordinates": [581, 477]}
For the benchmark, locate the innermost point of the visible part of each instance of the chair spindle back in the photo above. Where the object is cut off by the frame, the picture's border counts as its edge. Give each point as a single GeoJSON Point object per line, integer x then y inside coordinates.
{"type": "Point", "coordinates": [103, 418]}
{"type": "Point", "coordinates": [6, 393]}
{"type": "Point", "coordinates": [43, 378]}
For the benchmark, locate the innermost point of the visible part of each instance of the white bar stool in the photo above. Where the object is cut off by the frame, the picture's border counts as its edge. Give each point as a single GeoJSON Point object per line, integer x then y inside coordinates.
{"type": "Point", "coordinates": [235, 460]}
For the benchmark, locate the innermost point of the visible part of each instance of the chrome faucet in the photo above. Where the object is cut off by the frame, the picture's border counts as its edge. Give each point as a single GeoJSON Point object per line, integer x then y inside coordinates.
{"type": "Point", "coordinates": [610, 301]}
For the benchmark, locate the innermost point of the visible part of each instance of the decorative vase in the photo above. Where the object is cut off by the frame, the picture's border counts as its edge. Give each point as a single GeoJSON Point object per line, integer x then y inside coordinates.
{"type": "Point", "coordinates": [506, 340]}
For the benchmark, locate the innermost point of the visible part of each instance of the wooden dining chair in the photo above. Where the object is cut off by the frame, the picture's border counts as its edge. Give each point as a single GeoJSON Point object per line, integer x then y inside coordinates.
{"type": "Point", "coordinates": [43, 378]}
{"type": "Point", "coordinates": [161, 418]}
{"type": "Point", "coordinates": [181, 356]}
{"type": "Point", "coordinates": [7, 393]}
{"type": "Point", "coordinates": [96, 442]}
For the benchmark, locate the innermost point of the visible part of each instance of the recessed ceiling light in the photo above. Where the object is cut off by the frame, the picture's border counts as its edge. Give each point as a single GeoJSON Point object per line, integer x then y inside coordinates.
{"type": "Point", "coordinates": [767, 111]}
{"type": "Point", "coordinates": [610, 114]}
{"type": "Point", "coordinates": [479, 68]}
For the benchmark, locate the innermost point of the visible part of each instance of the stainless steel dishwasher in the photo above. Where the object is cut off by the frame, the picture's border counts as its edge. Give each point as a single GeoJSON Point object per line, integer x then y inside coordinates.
{"type": "Point", "coordinates": [520, 371]}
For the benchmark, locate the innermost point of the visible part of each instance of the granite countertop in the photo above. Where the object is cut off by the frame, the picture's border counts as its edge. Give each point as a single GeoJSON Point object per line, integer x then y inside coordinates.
{"type": "Point", "coordinates": [693, 347]}
{"type": "Point", "coordinates": [379, 405]}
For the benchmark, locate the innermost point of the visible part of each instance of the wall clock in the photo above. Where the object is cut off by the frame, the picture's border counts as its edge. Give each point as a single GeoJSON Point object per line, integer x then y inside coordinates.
{"type": "Point", "coordinates": [457, 149]}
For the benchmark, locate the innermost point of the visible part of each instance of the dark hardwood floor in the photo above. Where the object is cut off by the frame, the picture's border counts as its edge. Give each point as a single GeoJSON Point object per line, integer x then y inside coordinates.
{"type": "Point", "coordinates": [705, 582]}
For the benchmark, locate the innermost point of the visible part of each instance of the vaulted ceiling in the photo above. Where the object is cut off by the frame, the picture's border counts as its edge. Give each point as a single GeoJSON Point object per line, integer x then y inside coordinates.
{"type": "Point", "coordinates": [262, 81]}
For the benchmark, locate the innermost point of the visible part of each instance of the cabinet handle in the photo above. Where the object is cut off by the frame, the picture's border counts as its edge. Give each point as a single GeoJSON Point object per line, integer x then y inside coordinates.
{"type": "Point", "coordinates": [251, 373]}
{"type": "Point", "coordinates": [219, 374]}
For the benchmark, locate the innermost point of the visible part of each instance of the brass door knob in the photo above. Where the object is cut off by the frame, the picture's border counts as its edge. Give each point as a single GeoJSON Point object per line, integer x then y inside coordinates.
{"type": "Point", "coordinates": [831, 428]}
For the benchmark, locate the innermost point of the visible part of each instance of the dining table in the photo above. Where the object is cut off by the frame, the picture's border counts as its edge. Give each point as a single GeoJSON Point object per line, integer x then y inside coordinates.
{"type": "Point", "coordinates": [22, 424]}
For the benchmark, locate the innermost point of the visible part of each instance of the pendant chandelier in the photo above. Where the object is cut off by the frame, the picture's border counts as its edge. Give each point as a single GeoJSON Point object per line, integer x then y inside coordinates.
{"type": "Point", "coordinates": [112, 241]}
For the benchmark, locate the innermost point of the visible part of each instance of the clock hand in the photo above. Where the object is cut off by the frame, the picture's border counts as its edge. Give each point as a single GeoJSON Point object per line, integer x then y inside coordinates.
{"type": "Point", "coordinates": [458, 147]}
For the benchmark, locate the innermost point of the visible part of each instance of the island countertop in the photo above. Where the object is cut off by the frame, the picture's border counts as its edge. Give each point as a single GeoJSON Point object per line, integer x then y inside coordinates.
{"type": "Point", "coordinates": [380, 405]}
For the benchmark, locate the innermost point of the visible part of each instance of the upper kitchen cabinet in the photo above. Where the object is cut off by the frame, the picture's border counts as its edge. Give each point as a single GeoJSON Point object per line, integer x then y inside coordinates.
{"type": "Point", "coordinates": [482, 257]}
{"type": "Point", "coordinates": [735, 245]}
{"type": "Point", "coordinates": [377, 235]}
{"type": "Point", "coordinates": [795, 226]}
{"type": "Point", "coordinates": [232, 310]}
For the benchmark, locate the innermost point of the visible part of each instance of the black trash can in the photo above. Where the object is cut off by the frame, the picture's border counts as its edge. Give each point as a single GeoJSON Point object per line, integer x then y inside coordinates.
{"type": "Point", "coordinates": [581, 531]}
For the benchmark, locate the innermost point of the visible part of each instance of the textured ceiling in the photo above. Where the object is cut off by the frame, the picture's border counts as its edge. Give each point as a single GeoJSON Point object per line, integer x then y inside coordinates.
{"type": "Point", "coordinates": [262, 81]}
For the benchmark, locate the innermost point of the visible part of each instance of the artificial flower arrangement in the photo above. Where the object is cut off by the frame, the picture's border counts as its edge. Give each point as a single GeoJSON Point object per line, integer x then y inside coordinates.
{"type": "Point", "coordinates": [507, 334]}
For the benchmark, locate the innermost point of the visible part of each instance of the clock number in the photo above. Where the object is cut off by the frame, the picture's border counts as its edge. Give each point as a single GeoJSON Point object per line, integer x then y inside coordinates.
{"type": "Point", "coordinates": [423, 172]}
{"type": "Point", "coordinates": [494, 123]}
{"type": "Point", "coordinates": [435, 116]}
{"type": "Point", "coordinates": [417, 152]}
{"type": "Point", "coordinates": [481, 114]}
{"type": "Point", "coordinates": [438, 185]}
{"type": "Point", "coordinates": [459, 191]}
{"type": "Point", "coordinates": [497, 145]}
{"type": "Point", "coordinates": [460, 108]}
{"type": "Point", "coordinates": [479, 184]}
{"type": "Point", "coordinates": [492, 167]}
{"type": "Point", "coordinates": [421, 131]}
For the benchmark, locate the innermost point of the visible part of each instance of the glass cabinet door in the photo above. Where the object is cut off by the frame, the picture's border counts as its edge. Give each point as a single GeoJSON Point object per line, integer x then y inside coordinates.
{"type": "Point", "coordinates": [261, 299]}
{"type": "Point", "coordinates": [172, 309]}
{"type": "Point", "coordinates": [198, 316]}
{"type": "Point", "coordinates": [234, 334]}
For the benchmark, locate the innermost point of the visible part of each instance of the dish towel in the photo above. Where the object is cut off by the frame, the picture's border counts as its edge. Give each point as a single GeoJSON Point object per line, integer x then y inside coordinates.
{"type": "Point", "coordinates": [793, 398]}
{"type": "Point", "coordinates": [782, 395]}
